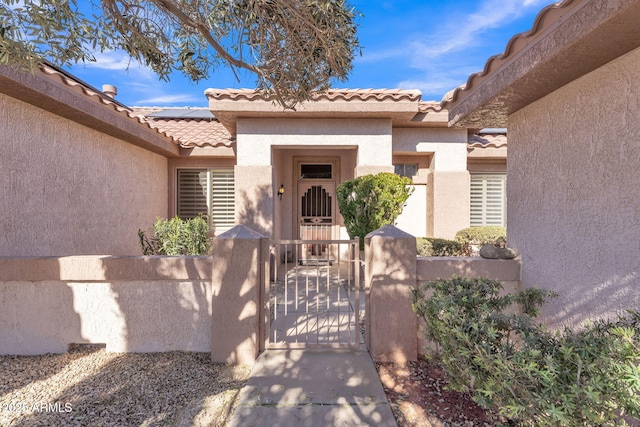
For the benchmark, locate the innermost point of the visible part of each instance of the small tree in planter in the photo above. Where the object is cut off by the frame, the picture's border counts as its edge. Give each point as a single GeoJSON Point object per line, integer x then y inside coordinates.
{"type": "Point", "coordinates": [372, 201]}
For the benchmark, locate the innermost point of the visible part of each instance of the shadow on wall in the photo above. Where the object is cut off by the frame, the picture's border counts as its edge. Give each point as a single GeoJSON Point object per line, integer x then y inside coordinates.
{"type": "Point", "coordinates": [255, 209]}
{"type": "Point", "coordinates": [170, 312]}
{"type": "Point", "coordinates": [29, 318]}
{"type": "Point", "coordinates": [607, 299]}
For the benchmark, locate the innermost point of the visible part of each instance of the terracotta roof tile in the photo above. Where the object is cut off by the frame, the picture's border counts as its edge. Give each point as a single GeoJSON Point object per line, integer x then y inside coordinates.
{"type": "Point", "coordinates": [430, 107]}
{"type": "Point", "coordinates": [543, 20]}
{"type": "Point", "coordinates": [487, 141]}
{"type": "Point", "coordinates": [188, 132]}
{"type": "Point", "coordinates": [329, 95]}
{"type": "Point", "coordinates": [77, 85]}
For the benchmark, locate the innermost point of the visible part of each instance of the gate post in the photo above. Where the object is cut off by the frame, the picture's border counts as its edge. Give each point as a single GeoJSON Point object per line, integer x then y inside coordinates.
{"type": "Point", "coordinates": [390, 274]}
{"type": "Point", "coordinates": [236, 302]}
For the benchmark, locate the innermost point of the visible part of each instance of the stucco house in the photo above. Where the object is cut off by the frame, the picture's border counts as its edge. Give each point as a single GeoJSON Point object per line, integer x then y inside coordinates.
{"type": "Point", "coordinates": [83, 172]}
{"type": "Point", "coordinates": [569, 91]}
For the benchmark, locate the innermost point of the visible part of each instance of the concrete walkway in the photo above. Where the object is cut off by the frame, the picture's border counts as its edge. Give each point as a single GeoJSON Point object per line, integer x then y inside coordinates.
{"type": "Point", "coordinates": [314, 387]}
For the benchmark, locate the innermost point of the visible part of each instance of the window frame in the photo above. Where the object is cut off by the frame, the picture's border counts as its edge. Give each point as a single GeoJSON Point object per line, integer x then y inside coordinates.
{"type": "Point", "coordinates": [404, 165]}
{"type": "Point", "coordinates": [209, 195]}
{"type": "Point", "coordinates": [488, 201]}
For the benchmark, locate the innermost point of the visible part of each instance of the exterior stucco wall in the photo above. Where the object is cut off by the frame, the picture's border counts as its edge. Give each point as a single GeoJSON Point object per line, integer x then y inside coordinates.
{"type": "Point", "coordinates": [68, 190]}
{"type": "Point", "coordinates": [130, 304]}
{"type": "Point", "coordinates": [573, 200]}
{"type": "Point", "coordinates": [447, 191]}
{"type": "Point", "coordinates": [256, 137]}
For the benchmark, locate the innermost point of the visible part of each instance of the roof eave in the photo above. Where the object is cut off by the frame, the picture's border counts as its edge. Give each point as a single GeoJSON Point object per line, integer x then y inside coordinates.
{"type": "Point", "coordinates": [567, 41]}
{"type": "Point", "coordinates": [43, 91]}
{"type": "Point", "coordinates": [399, 106]}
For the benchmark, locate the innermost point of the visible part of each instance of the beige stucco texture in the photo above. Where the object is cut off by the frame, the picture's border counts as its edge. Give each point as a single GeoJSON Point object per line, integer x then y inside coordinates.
{"type": "Point", "coordinates": [442, 190]}
{"type": "Point", "coordinates": [394, 333]}
{"type": "Point", "coordinates": [129, 304]}
{"type": "Point", "coordinates": [574, 210]}
{"type": "Point", "coordinates": [236, 310]}
{"type": "Point", "coordinates": [89, 194]}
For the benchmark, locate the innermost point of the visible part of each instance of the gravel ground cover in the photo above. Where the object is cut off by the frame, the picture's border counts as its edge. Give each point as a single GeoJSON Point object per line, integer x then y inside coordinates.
{"type": "Point", "coordinates": [89, 387]}
{"type": "Point", "coordinates": [416, 392]}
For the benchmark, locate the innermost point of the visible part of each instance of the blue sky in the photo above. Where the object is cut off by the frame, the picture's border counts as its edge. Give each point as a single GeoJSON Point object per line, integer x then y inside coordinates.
{"type": "Point", "coordinates": [428, 45]}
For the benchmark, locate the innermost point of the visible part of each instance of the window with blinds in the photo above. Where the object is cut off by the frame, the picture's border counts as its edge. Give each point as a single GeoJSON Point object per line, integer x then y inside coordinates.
{"type": "Point", "coordinates": [488, 199]}
{"type": "Point", "coordinates": [208, 192]}
{"type": "Point", "coordinates": [406, 169]}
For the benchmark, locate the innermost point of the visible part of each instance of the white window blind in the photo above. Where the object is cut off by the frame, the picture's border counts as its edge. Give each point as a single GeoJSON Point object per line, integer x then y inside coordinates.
{"type": "Point", "coordinates": [488, 199]}
{"type": "Point", "coordinates": [208, 192]}
{"type": "Point", "coordinates": [222, 197]}
{"type": "Point", "coordinates": [192, 193]}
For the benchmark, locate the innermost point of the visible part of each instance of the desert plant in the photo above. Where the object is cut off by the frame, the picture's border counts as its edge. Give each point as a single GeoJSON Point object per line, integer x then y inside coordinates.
{"type": "Point", "coordinates": [372, 201]}
{"type": "Point", "coordinates": [177, 237]}
{"type": "Point", "coordinates": [431, 246]}
{"type": "Point", "coordinates": [478, 236]}
{"type": "Point", "coordinates": [588, 377]}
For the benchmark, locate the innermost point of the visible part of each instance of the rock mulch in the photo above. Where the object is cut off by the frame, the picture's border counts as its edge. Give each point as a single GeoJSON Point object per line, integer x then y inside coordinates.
{"type": "Point", "coordinates": [92, 387]}
{"type": "Point", "coordinates": [418, 397]}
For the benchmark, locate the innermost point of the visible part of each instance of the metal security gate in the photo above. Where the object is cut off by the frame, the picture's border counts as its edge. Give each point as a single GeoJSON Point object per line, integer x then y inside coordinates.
{"type": "Point", "coordinates": [312, 300]}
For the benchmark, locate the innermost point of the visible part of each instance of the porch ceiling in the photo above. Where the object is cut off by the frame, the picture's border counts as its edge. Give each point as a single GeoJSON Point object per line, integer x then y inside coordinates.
{"type": "Point", "coordinates": [567, 41]}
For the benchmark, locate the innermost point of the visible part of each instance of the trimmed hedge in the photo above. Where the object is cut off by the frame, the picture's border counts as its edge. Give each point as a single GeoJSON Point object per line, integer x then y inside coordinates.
{"type": "Point", "coordinates": [486, 235]}
{"type": "Point", "coordinates": [372, 201]}
{"type": "Point", "coordinates": [431, 246]}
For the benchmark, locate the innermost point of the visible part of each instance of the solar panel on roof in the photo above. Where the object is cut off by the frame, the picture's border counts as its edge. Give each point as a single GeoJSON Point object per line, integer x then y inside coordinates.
{"type": "Point", "coordinates": [183, 113]}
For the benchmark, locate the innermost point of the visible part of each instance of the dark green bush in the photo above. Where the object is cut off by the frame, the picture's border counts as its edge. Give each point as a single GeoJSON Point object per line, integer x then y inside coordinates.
{"type": "Point", "coordinates": [486, 235]}
{"type": "Point", "coordinates": [177, 237]}
{"type": "Point", "coordinates": [588, 377]}
{"type": "Point", "coordinates": [431, 246]}
{"type": "Point", "coordinates": [372, 201]}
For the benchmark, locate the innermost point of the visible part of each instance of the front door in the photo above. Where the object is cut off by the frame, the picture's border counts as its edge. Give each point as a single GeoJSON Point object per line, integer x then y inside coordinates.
{"type": "Point", "coordinates": [316, 216]}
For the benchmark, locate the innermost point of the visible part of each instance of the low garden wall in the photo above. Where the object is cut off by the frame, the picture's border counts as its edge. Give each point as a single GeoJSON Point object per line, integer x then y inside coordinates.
{"type": "Point", "coordinates": [392, 270]}
{"type": "Point", "coordinates": [507, 271]}
{"type": "Point", "coordinates": [129, 304]}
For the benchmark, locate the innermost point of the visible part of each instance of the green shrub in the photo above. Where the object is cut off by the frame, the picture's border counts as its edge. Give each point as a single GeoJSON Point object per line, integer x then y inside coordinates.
{"type": "Point", "coordinates": [431, 246]}
{"type": "Point", "coordinates": [177, 237]}
{"type": "Point", "coordinates": [485, 235]}
{"type": "Point", "coordinates": [533, 377]}
{"type": "Point", "coordinates": [372, 201]}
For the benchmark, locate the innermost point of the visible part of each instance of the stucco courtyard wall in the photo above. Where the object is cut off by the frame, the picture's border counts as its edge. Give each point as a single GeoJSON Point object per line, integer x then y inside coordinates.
{"type": "Point", "coordinates": [393, 331]}
{"type": "Point", "coordinates": [66, 189]}
{"type": "Point", "coordinates": [129, 304]}
{"type": "Point", "coordinates": [573, 200]}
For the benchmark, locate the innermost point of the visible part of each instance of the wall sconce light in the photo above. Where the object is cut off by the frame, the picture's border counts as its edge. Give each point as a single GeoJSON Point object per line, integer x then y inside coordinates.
{"type": "Point", "coordinates": [280, 191]}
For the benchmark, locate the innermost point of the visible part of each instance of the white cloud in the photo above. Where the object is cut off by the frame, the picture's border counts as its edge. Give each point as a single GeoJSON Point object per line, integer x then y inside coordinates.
{"type": "Point", "coordinates": [112, 60]}
{"type": "Point", "coordinates": [456, 33]}
{"type": "Point", "coordinates": [119, 61]}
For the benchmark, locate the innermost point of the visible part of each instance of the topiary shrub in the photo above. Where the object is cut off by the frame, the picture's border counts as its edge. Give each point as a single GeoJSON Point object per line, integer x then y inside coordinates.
{"type": "Point", "coordinates": [177, 237]}
{"type": "Point", "coordinates": [431, 246]}
{"type": "Point", "coordinates": [485, 235]}
{"type": "Point", "coordinates": [372, 201]}
{"type": "Point", "coordinates": [589, 377]}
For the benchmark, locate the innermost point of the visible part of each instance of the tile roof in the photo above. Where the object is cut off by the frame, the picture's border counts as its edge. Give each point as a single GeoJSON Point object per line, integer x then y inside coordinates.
{"type": "Point", "coordinates": [189, 132]}
{"type": "Point", "coordinates": [496, 140]}
{"type": "Point", "coordinates": [430, 107]}
{"type": "Point", "coordinates": [545, 19]}
{"type": "Point", "coordinates": [328, 95]}
{"type": "Point", "coordinates": [57, 74]}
